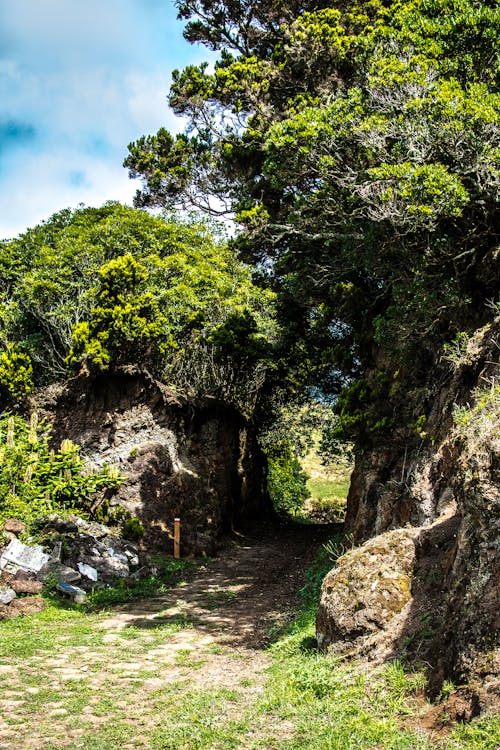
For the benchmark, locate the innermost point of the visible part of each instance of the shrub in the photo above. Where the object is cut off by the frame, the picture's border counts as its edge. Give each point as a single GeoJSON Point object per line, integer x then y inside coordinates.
{"type": "Point", "coordinates": [286, 480]}
{"type": "Point", "coordinates": [132, 529]}
{"type": "Point", "coordinates": [36, 480]}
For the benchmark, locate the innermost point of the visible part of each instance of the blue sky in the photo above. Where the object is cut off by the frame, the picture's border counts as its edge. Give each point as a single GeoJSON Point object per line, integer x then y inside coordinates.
{"type": "Point", "coordinates": [79, 80]}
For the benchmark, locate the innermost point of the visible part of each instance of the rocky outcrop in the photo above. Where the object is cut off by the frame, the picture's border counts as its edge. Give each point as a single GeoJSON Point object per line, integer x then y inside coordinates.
{"type": "Point", "coordinates": [436, 483]}
{"type": "Point", "coordinates": [198, 462]}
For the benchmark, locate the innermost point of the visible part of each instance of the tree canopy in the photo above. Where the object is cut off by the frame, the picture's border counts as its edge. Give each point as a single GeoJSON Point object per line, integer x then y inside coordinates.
{"type": "Point", "coordinates": [357, 143]}
{"type": "Point", "coordinates": [100, 288]}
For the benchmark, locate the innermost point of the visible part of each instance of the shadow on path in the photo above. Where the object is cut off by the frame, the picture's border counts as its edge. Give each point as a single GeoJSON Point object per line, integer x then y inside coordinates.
{"type": "Point", "coordinates": [240, 597]}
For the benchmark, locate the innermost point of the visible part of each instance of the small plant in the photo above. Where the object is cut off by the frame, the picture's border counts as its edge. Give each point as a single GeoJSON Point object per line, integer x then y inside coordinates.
{"type": "Point", "coordinates": [455, 352]}
{"type": "Point", "coordinates": [132, 529]}
{"type": "Point", "coordinates": [447, 688]}
{"type": "Point", "coordinates": [335, 548]}
{"type": "Point", "coordinates": [111, 515]}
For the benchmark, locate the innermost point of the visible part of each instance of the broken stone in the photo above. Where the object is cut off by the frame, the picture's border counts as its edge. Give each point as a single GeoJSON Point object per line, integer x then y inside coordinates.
{"type": "Point", "coordinates": [23, 556]}
{"type": "Point", "coordinates": [5, 578]}
{"type": "Point", "coordinates": [7, 536]}
{"type": "Point", "coordinates": [27, 587]}
{"type": "Point", "coordinates": [117, 555]}
{"type": "Point", "coordinates": [30, 605]}
{"type": "Point", "coordinates": [61, 572]}
{"type": "Point", "coordinates": [62, 525]}
{"type": "Point", "coordinates": [73, 592]}
{"type": "Point", "coordinates": [55, 555]}
{"type": "Point", "coordinates": [108, 567]}
{"type": "Point", "coordinates": [14, 526]}
{"type": "Point", "coordinates": [142, 572]}
{"type": "Point", "coordinates": [88, 571]}
{"type": "Point", "coordinates": [23, 575]}
{"type": "Point", "coordinates": [6, 595]}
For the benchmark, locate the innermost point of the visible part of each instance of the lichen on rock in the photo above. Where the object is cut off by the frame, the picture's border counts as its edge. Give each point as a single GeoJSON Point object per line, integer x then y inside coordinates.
{"type": "Point", "coordinates": [369, 586]}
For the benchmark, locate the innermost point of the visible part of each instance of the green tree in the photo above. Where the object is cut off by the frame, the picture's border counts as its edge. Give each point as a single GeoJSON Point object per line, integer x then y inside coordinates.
{"type": "Point", "coordinates": [286, 480]}
{"type": "Point", "coordinates": [358, 144]}
{"type": "Point", "coordinates": [101, 288]}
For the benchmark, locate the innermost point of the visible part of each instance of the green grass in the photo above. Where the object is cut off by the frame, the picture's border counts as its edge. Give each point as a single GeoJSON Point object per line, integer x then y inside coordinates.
{"type": "Point", "coordinates": [304, 701]}
{"type": "Point", "coordinates": [328, 485]}
{"type": "Point", "coordinates": [328, 489]}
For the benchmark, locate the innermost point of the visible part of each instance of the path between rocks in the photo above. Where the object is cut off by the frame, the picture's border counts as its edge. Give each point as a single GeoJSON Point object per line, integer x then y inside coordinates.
{"type": "Point", "coordinates": [209, 632]}
{"type": "Point", "coordinates": [236, 599]}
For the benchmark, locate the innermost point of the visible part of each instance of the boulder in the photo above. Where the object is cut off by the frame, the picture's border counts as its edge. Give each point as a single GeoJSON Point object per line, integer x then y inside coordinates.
{"type": "Point", "coordinates": [26, 587]}
{"type": "Point", "coordinates": [18, 555]}
{"type": "Point", "coordinates": [107, 567]}
{"type": "Point", "coordinates": [366, 591]}
{"type": "Point", "coordinates": [6, 595]}
{"type": "Point", "coordinates": [8, 613]}
{"type": "Point", "coordinates": [60, 571]}
{"type": "Point", "coordinates": [30, 605]}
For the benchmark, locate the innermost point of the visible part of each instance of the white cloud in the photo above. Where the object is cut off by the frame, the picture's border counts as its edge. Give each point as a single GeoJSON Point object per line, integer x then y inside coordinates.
{"type": "Point", "coordinates": [85, 79]}
{"type": "Point", "coordinates": [58, 181]}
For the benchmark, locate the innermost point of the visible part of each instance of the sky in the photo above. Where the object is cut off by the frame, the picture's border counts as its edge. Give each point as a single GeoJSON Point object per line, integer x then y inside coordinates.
{"type": "Point", "coordinates": [79, 80]}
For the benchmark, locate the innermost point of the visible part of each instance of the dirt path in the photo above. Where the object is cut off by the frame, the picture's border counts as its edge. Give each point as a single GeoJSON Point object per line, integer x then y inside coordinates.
{"type": "Point", "coordinates": [207, 634]}
{"type": "Point", "coordinates": [238, 598]}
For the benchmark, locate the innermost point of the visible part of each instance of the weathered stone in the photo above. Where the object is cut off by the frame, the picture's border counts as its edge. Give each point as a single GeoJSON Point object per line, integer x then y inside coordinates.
{"type": "Point", "coordinates": [14, 526]}
{"type": "Point", "coordinates": [56, 554]}
{"type": "Point", "coordinates": [88, 571]}
{"type": "Point", "coordinates": [8, 612]}
{"type": "Point", "coordinates": [30, 605]}
{"type": "Point", "coordinates": [366, 589]}
{"type": "Point", "coordinates": [444, 481]}
{"type": "Point", "coordinates": [6, 595]}
{"type": "Point", "coordinates": [108, 567]}
{"type": "Point", "coordinates": [197, 461]}
{"type": "Point", "coordinates": [27, 587]}
{"type": "Point", "coordinates": [142, 572]}
{"type": "Point", "coordinates": [23, 556]}
{"type": "Point", "coordinates": [59, 571]}
{"type": "Point", "coordinates": [61, 525]}
{"type": "Point", "coordinates": [23, 575]}
{"type": "Point", "coordinates": [7, 536]}
{"type": "Point", "coordinates": [5, 578]}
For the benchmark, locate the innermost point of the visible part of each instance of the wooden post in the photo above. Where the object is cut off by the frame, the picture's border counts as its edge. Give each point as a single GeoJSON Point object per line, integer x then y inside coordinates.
{"type": "Point", "coordinates": [177, 537]}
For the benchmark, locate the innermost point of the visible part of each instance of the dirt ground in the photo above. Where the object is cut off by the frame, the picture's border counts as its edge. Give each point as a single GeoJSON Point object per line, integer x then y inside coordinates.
{"type": "Point", "coordinates": [210, 631]}
{"type": "Point", "coordinates": [239, 597]}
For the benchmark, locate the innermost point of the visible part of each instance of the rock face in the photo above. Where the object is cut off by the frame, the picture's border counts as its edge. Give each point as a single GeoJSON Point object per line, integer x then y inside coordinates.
{"type": "Point", "coordinates": [441, 490]}
{"type": "Point", "coordinates": [196, 462]}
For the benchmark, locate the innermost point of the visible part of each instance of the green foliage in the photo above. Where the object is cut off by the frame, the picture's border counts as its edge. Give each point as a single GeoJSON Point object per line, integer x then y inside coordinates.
{"type": "Point", "coordinates": [36, 480]}
{"type": "Point", "coordinates": [286, 480]}
{"type": "Point", "coordinates": [359, 146]}
{"type": "Point", "coordinates": [132, 529]}
{"type": "Point", "coordinates": [126, 322]}
{"type": "Point", "coordinates": [94, 289]}
{"type": "Point", "coordinates": [16, 374]}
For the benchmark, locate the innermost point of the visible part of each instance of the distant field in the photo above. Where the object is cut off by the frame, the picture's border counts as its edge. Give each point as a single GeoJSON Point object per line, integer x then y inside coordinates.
{"type": "Point", "coordinates": [328, 485]}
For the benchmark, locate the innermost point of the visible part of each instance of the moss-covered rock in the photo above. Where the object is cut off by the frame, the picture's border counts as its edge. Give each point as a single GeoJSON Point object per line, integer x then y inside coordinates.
{"type": "Point", "coordinates": [368, 587]}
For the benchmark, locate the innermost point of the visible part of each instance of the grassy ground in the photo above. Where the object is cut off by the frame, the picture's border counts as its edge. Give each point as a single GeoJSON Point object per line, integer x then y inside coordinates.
{"type": "Point", "coordinates": [328, 486]}
{"type": "Point", "coordinates": [76, 678]}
